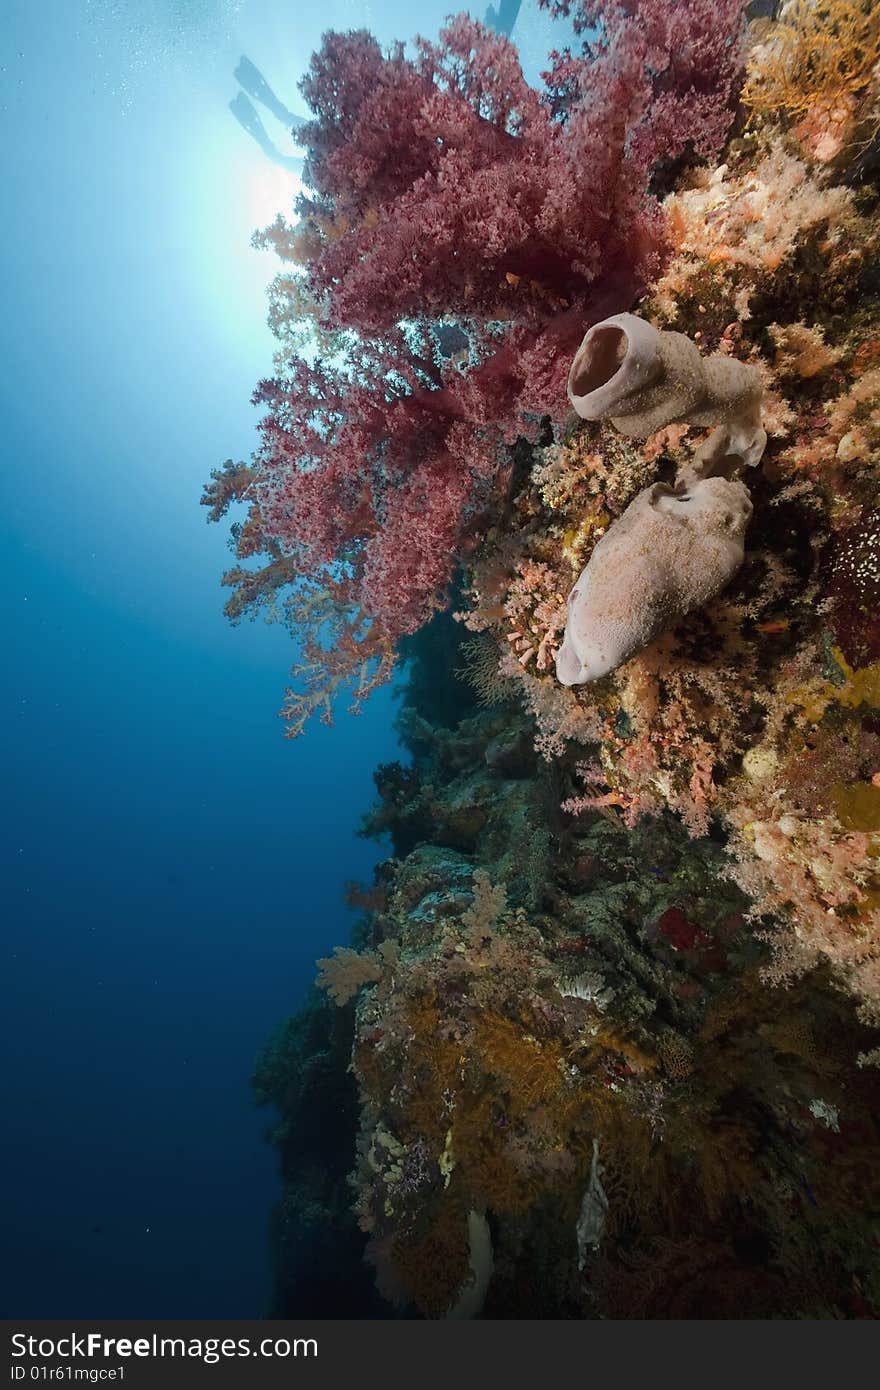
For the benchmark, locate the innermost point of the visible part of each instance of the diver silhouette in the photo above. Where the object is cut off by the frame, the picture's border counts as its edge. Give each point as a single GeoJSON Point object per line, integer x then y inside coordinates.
{"type": "Point", "coordinates": [503, 19]}
{"type": "Point", "coordinates": [252, 80]}
{"type": "Point", "coordinates": [254, 84]}
{"type": "Point", "coordinates": [249, 76]}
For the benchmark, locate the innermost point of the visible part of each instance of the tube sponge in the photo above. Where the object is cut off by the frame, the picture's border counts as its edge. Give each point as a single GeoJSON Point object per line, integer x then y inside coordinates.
{"type": "Point", "coordinates": [641, 379]}
{"type": "Point", "coordinates": [669, 553]}
{"type": "Point", "coordinates": [472, 1295]}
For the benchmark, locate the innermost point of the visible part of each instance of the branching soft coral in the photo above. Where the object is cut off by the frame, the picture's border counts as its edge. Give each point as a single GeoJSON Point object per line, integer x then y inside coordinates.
{"type": "Point", "coordinates": [683, 62]}
{"type": "Point", "coordinates": [745, 219]}
{"type": "Point", "coordinates": [498, 211]}
{"type": "Point", "coordinates": [804, 826]}
{"type": "Point", "coordinates": [458, 234]}
{"type": "Point", "coordinates": [819, 63]}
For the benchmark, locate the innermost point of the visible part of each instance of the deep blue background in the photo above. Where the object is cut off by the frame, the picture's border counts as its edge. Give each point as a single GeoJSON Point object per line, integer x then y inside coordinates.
{"type": "Point", "coordinates": [171, 866]}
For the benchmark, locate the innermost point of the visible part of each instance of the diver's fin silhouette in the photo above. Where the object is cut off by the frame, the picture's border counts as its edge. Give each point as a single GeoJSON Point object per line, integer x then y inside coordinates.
{"type": "Point", "coordinates": [503, 19]}
{"type": "Point", "coordinates": [243, 111]}
{"type": "Point", "coordinates": [248, 75]}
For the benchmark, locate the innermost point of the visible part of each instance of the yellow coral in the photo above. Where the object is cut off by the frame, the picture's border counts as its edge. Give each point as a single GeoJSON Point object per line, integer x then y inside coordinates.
{"type": "Point", "coordinates": [859, 688]}
{"type": "Point", "coordinates": [818, 65]}
{"type": "Point", "coordinates": [801, 350]}
{"type": "Point", "coordinates": [676, 1054]}
{"type": "Point", "coordinates": [858, 806]}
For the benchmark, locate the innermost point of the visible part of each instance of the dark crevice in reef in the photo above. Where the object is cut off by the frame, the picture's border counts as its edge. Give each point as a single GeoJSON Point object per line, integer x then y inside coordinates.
{"type": "Point", "coordinates": [316, 1246]}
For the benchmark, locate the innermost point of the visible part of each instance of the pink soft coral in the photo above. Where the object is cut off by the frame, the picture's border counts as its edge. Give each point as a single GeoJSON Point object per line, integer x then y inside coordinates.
{"type": "Point", "coordinates": [444, 190]}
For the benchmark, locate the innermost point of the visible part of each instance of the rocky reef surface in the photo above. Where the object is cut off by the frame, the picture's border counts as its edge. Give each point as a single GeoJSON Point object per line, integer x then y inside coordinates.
{"type": "Point", "coordinates": [559, 1026]}
{"type": "Point", "coordinates": [605, 1040]}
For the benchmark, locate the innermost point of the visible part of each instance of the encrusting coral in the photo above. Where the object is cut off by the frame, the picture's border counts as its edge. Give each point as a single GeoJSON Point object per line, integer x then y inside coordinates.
{"type": "Point", "coordinates": [714, 718]}
{"type": "Point", "coordinates": [604, 1043]}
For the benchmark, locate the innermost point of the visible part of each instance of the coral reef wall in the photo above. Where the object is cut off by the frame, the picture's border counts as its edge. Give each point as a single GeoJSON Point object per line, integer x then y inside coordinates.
{"type": "Point", "coordinates": [611, 1011]}
{"type": "Point", "coordinates": [562, 1026]}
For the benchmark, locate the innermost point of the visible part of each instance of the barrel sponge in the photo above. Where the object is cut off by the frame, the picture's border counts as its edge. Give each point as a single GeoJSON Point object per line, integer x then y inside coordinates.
{"type": "Point", "coordinates": [642, 379]}
{"type": "Point", "coordinates": [668, 554]}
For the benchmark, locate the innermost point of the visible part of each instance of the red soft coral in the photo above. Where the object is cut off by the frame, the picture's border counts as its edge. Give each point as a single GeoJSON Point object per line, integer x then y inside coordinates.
{"type": "Point", "coordinates": [445, 190]}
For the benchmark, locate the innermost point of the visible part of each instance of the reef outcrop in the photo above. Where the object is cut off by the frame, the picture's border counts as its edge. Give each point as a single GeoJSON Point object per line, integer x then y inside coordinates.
{"type": "Point", "coordinates": [575, 1097]}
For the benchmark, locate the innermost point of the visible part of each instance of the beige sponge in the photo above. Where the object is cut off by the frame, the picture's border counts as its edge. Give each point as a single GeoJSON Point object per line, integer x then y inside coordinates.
{"type": "Point", "coordinates": [666, 555]}
{"type": "Point", "coordinates": [641, 379]}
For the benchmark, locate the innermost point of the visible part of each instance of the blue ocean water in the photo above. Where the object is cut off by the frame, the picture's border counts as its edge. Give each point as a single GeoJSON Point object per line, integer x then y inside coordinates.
{"type": "Point", "coordinates": [171, 866]}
